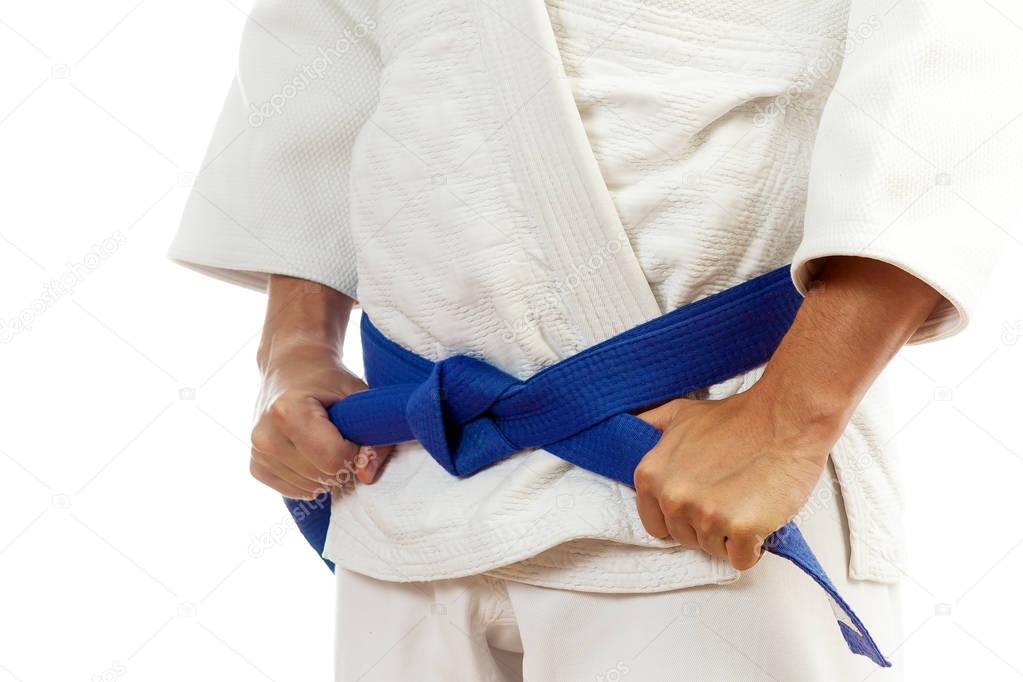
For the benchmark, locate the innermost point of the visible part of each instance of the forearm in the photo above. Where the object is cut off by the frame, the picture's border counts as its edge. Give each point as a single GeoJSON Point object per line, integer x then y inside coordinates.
{"type": "Point", "coordinates": [302, 315]}
{"type": "Point", "coordinates": [854, 319]}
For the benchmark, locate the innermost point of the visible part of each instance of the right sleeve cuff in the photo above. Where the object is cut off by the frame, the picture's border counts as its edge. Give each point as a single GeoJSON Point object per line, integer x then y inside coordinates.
{"type": "Point", "coordinates": [949, 317]}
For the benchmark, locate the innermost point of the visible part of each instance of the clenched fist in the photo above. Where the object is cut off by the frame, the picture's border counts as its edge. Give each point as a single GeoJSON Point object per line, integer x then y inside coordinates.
{"type": "Point", "coordinates": [724, 476]}
{"type": "Point", "coordinates": [296, 450]}
{"type": "Point", "coordinates": [727, 473]}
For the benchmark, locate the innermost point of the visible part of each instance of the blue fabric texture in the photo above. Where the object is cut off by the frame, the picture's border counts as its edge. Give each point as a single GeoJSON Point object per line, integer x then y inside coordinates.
{"type": "Point", "coordinates": [468, 414]}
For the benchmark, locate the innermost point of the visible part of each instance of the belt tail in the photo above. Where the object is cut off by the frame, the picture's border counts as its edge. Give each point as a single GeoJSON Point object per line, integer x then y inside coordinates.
{"type": "Point", "coordinates": [788, 542]}
{"type": "Point", "coordinates": [369, 418]}
{"type": "Point", "coordinates": [312, 518]}
{"type": "Point", "coordinates": [629, 438]}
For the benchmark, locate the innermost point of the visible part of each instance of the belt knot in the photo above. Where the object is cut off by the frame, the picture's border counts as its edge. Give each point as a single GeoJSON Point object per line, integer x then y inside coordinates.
{"type": "Point", "coordinates": [450, 414]}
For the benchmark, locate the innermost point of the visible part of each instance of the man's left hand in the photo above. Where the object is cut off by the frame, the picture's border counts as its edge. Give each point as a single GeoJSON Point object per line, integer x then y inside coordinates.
{"type": "Point", "coordinates": [727, 473]}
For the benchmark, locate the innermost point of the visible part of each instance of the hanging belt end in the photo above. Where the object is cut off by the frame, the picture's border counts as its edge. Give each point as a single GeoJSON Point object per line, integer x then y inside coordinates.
{"type": "Point", "coordinates": [861, 643]}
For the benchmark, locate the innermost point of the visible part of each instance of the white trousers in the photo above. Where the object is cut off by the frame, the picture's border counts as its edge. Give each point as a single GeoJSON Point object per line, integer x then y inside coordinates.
{"type": "Point", "coordinates": [773, 624]}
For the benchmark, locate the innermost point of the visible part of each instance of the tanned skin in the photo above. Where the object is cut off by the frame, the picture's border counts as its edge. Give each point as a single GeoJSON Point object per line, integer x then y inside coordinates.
{"type": "Point", "coordinates": [725, 474]}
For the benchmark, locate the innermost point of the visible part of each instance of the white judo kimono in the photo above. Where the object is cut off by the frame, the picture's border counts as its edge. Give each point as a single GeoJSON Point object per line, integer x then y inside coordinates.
{"type": "Point", "coordinates": [519, 182]}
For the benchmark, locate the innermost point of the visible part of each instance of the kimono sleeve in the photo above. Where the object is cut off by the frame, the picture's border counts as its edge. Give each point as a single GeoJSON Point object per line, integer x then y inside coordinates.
{"type": "Point", "coordinates": [918, 160]}
{"type": "Point", "coordinates": [272, 195]}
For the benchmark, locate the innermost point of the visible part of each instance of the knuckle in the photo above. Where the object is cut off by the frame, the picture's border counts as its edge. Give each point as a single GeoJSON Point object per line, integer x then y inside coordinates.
{"type": "Point", "coordinates": [281, 411]}
{"type": "Point", "coordinates": [675, 503]}
{"type": "Point", "coordinates": [643, 478]}
{"type": "Point", "coordinates": [671, 497]}
{"type": "Point", "coordinates": [260, 438]}
{"type": "Point", "coordinates": [709, 518]}
{"type": "Point", "coordinates": [678, 501]}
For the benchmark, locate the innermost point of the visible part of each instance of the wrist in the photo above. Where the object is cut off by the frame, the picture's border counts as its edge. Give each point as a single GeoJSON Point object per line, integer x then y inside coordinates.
{"type": "Point", "coordinates": [288, 346]}
{"type": "Point", "coordinates": [303, 320]}
{"type": "Point", "coordinates": [801, 415]}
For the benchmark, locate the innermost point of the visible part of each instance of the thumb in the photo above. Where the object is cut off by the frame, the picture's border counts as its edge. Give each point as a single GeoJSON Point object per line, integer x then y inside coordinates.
{"type": "Point", "coordinates": [369, 461]}
{"type": "Point", "coordinates": [662, 415]}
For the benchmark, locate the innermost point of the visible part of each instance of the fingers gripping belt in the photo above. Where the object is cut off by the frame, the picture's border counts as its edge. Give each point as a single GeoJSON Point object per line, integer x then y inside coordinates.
{"type": "Point", "coordinates": [468, 414]}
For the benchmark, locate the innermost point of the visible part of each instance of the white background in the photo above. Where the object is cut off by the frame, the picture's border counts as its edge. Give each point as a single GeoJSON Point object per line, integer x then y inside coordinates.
{"type": "Point", "coordinates": [134, 546]}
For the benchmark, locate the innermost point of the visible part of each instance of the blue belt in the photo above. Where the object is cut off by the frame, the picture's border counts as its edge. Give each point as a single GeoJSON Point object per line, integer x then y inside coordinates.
{"type": "Point", "coordinates": [468, 414]}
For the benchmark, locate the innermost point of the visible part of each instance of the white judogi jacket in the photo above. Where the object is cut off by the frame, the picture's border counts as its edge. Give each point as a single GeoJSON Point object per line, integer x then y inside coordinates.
{"type": "Point", "coordinates": [519, 182]}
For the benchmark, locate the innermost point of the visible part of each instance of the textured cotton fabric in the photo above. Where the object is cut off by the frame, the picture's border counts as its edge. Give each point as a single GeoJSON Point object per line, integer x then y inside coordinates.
{"type": "Point", "coordinates": [521, 182]}
{"type": "Point", "coordinates": [764, 628]}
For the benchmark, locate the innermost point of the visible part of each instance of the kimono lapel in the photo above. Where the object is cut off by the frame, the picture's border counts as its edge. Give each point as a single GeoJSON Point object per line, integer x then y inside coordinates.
{"type": "Point", "coordinates": [601, 283]}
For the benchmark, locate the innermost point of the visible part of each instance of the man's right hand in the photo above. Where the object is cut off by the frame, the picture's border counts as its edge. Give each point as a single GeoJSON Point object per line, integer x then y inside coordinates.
{"type": "Point", "coordinates": [296, 450]}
